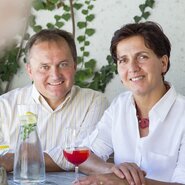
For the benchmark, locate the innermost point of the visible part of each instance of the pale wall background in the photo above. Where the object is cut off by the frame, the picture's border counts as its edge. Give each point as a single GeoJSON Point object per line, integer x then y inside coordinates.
{"type": "Point", "coordinates": [111, 15]}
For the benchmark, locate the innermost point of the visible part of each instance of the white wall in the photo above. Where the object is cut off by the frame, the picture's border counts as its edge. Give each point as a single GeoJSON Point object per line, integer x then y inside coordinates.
{"type": "Point", "coordinates": [111, 15]}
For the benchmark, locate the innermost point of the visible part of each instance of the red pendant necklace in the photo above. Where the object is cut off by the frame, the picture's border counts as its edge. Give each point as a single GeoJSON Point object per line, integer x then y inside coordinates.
{"type": "Point", "coordinates": [143, 122]}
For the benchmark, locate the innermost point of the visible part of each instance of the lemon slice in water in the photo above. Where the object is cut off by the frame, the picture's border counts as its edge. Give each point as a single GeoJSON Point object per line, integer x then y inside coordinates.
{"type": "Point", "coordinates": [3, 149]}
{"type": "Point", "coordinates": [31, 117]}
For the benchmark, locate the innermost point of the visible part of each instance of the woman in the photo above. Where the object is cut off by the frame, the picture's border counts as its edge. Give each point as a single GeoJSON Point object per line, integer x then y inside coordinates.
{"type": "Point", "coordinates": [144, 127]}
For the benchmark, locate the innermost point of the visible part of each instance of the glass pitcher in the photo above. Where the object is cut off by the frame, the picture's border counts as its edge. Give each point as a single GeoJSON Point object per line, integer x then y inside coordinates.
{"type": "Point", "coordinates": [29, 166]}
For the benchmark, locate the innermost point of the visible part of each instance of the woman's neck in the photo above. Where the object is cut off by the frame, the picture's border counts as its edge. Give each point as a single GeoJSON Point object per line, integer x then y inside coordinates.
{"type": "Point", "coordinates": [145, 103]}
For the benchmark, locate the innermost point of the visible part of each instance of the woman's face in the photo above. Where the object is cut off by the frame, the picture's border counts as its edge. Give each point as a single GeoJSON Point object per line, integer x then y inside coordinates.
{"type": "Point", "coordinates": [139, 67]}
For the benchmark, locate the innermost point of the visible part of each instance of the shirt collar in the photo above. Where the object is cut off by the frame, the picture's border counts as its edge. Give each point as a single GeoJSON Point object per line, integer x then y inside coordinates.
{"type": "Point", "coordinates": [163, 106]}
{"type": "Point", "coordinates": [35, 94]}
{"type": "Point", "coordinates": [38, 98]}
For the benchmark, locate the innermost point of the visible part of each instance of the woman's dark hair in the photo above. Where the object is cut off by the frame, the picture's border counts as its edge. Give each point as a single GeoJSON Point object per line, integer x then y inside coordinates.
{"type": "Point", "coordinates": [52, 35]}
{"type": "Point", "coordinates": [153, 36]}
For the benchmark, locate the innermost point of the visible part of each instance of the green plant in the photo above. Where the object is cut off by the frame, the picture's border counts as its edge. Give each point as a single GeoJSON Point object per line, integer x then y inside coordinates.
{"type": "Point", "coordinates": [87, 75]}
{"type": "Point", "coordinates": [144, 14]}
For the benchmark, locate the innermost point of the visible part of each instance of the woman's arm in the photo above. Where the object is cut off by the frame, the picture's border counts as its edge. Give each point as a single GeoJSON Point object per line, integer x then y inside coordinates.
{"type": "Point", "coordinates": [95, 165]}
{"type": "Point", "coordinates": [112, 179]}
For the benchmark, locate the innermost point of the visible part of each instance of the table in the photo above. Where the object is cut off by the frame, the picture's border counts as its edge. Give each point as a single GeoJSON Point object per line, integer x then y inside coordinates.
{"type": "Point", "coordinates": [52, 178]}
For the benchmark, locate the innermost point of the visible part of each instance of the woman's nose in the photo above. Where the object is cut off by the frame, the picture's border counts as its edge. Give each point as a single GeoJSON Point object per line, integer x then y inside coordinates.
{"type": "Point", "coordinates": [134, 67]}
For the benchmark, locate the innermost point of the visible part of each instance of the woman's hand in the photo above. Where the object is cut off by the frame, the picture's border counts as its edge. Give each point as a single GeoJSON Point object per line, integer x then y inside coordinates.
{"type": "Point", "coordinates": [131, 172]}
{"type": "Point", "coordinates": [101, 179]}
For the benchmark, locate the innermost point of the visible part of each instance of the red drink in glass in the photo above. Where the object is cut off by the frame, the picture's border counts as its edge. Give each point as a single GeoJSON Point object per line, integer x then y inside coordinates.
{"type": "Point", "coordinates": [77, 155]}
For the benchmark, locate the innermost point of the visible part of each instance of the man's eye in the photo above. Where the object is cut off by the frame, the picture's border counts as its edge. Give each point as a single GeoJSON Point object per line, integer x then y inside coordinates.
{"type": "Point", "coordinates": [64, 64]}
{"type": "Point", "coordinates": [45, 67]}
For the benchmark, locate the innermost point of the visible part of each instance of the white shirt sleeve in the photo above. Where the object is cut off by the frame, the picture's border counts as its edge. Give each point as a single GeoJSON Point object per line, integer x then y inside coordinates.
{"type": "Point", "coordinates": [101, 139]}
{"type": "Point", "coordinates": [179, 172]}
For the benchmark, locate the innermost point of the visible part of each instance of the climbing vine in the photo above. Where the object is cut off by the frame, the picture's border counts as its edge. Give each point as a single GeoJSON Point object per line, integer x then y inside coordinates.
{"type": "Point", "coordinates": [87, 74]}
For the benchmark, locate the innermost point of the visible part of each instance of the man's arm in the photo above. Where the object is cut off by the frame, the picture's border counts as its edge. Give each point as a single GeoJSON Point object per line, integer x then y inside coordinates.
{"type": "Point", "coordinates": [50, 164]}
{"type": "Point", "coordinates": [95, 165]}
{"type": "Point", "coordinates": [7, 162]}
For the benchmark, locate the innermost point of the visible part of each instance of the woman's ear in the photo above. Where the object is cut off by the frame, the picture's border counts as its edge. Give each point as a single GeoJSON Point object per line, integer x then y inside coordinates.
{"type": "Point", "coordinates": [165, 63]}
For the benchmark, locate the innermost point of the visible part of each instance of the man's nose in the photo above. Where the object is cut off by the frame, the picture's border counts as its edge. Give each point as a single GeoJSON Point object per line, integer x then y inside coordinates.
{"type": "Point", "coordinates": [55, 72]}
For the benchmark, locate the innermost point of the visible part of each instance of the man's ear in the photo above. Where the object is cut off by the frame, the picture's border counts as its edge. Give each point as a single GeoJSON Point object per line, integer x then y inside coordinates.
{"type": "Point", "coordinates": [75, 66]}
{"type": "Point", "coordinates": [29, 70]}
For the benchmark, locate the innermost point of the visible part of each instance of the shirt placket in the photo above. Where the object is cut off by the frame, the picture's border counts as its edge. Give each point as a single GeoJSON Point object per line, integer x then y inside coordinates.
{"type": "Point", "coordinates": [138, 154]}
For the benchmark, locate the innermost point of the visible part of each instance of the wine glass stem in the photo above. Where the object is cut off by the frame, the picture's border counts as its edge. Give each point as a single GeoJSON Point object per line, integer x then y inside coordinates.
{"type": "Point", "coordinates": [76, 174]}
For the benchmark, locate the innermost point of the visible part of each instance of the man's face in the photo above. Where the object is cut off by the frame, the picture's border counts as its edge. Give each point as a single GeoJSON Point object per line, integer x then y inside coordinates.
{"type": "Point", "coordinates": [52, 68]}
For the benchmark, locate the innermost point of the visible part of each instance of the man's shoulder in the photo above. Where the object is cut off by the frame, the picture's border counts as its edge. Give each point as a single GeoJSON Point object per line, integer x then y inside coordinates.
{"type": "Point", "coordinates": [87, 91]}
{"type": "Point", "coordinates": [17, 92]}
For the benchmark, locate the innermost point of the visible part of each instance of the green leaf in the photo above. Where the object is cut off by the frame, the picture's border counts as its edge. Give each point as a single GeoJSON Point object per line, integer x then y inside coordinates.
{"type": "Point", "coordinates": [59, 24]}
{"type": "Point", "coordinates": [142, 7]}
{"type": "Point", "coordinates": [57, 17]}
{"type": "Point", "coordinates": [79, 60]}
{"type": "Point", "coordinates": [60, 4]}
{"type": "Point", "coordinates": [50, 6]}
{"type": "Point", "coordinates": [90, 31]}
{"type": "Point", "coordinates": [66, 8]}
{"type": "Point", "coordinates": [26, 36]}
{"type": "Point", "coordinates": [90, 7]}
{"type": "Point", "coordinates": [32, 21]}
{"type": "Point", "coordinates": [87, 2]}
{"type": "Point", "coordinates": [82, 48]}
{"type": "Point", "coordinates": [90, 64]}
{"type": "Point", "coordinates": [37, 28]}
{"type": "Point", "coordinates": [81, 24]}
{"type": "Point", "coordinates": [85, 12]}
{"type": "Point", "coordinates": [66, 16]}
{"type": "Point", "coordinates": [50, 25]}
{"type": "Point", "coordinates": [150, 3]}
{"type": "Point", "coordinates": [53, 1]}
{"type": "Point", "coordinates": [77, 6]}
{"type": "Point", "coordinates": [86, 54]}
{"type": "Point", "coordinates": [81, 38]}
{"type": "Point", "coordinates": [146, 15]}
{"type": "Point", "coordinates": [87, 43]}
{"type": "Point", "coordinates": [82, 75]}
{"type": "Point", "coordinates": [137, 19]}
{"type": "Point", "coordinates": [38, 5]}
{"type": "Point", "coordinates": [90, 17]}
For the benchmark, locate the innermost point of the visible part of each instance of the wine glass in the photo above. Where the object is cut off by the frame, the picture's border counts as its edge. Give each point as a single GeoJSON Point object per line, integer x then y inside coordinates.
{"type": "Point", "coordinates": [76, 149]}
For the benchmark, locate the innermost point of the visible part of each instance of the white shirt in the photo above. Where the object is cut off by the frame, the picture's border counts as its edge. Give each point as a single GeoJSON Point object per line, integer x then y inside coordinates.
{"type": "Point", "coordinates": [162, 153]}
{"type": "Point", "coordinates": [82, 107]}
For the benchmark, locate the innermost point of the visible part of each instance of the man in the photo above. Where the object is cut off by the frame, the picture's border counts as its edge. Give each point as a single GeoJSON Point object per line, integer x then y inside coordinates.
{"type": "Point", "coordinates": [51, 65]}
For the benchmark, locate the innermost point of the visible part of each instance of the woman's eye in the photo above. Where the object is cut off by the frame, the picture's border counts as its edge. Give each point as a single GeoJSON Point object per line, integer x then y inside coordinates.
{"type": "Point", "coordinates": [142, 58]}
{"type": "Point", "coordinates": [122, 61]}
